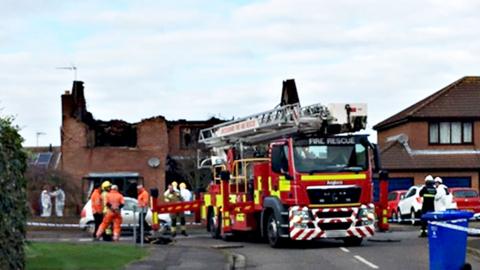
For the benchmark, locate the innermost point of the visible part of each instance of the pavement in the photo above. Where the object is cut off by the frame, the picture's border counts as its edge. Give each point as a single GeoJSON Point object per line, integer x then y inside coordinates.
{"type": "Point", "coordinates": [473, 241]}
{"type": "Point", "coordinates": [473, 246]}
{"type": "Point", "coordinates": [179, 254]}
{"type": "Point", "coordinates": [182, 257]}
{"type": "Point", "coordinates": [199, 251]}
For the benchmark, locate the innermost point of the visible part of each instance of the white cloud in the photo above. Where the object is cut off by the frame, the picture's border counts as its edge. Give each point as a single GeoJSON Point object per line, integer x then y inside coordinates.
{"type": "Point", "coordinates": [196, 59]}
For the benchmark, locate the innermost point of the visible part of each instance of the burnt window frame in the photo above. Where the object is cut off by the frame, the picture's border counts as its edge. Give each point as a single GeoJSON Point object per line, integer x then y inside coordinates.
{"type": "Point", "coordinates": [462, 124]}
{"type": "Point", "coordinates": [193, 137]}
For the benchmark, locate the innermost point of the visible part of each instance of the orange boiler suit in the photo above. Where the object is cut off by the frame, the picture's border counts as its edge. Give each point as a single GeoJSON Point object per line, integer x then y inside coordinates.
{"type": "Point", "coordinates": [143, 198]}
{"type": "Point", "coordinates": [97, 209]}
{"type": "Point", "coordinates": [115, 201]}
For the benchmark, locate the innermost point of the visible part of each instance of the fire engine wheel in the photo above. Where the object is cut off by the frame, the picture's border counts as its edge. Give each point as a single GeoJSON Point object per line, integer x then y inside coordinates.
{"type": "Point", "coordinates": [273, 234]}
{"type": "Point", "coordinates": [214, 223]}
{"type": "Point", "coordinates": [353, 241]}
{"type": "Point", "coordinates": [209, 219]}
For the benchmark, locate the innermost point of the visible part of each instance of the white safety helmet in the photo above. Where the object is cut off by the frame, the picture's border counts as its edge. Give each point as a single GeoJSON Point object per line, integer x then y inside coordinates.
{"type": "Point", "coordinates": [438, 180]}
{"type": "Point", "coordinates": [114, 187]}
{"type": "Point", "coordinates": [428, 178]}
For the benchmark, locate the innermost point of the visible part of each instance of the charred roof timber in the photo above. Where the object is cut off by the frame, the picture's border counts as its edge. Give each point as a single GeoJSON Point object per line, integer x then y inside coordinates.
{"type": "Point", "coordinates": [105, 133]}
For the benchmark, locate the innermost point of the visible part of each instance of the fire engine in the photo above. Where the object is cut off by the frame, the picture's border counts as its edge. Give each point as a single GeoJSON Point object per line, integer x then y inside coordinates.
{"type": "Point", "coordinates": [291, 173]}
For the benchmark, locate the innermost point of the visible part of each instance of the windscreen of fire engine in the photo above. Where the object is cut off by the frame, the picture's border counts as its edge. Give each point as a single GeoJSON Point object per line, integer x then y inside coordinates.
{"type": "Point", "coordinates": [328, 158]}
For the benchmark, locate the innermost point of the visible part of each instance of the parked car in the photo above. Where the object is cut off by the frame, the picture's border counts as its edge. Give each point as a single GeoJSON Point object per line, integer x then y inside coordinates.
{"type": "Point", "coordinates": [87, 222]}
{"type": "Point", "coordinates": [410, 207]}
{"type": "Point", "coordinates": [394, 198]}
{"type": "Point", "coordinates": [466, 199]}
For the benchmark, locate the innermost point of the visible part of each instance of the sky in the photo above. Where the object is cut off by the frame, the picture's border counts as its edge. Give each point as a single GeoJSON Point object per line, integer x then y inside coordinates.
{"type": "Point", "coordinates": [197, 59]}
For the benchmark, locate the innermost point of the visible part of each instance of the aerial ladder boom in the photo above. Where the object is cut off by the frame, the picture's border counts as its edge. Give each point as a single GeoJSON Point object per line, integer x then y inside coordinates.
{"type": "Point", "coordinates": [286, 120]}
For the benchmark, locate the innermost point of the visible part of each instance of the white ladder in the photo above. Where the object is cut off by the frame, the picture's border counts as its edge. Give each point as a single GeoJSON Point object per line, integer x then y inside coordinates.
{"type": "Point", "coordinates": [268, 125]}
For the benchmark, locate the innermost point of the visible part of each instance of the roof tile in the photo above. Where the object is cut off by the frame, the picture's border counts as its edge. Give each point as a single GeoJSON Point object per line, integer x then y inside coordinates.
{"type": "Point", "coordinates": [395, 157]}
{"type": "Point", "coordinates": [459, 99]}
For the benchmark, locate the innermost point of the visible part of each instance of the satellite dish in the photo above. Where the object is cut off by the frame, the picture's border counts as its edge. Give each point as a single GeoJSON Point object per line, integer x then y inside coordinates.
{"type": "Point", "coordinates": [154, 162]}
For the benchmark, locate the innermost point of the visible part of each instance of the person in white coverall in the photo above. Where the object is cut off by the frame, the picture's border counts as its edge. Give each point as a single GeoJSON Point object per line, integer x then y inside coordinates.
{"type": "Point", "coordinates": [46, 201]}
{"type": "Point", "coordinates": [442, 197]}
{"type": "Point", "coordinates": [59, 195]}
{"type": "Point", "coordinates": [186, 195]}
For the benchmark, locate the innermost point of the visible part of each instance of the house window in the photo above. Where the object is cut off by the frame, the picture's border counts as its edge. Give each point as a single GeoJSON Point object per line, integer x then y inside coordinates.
{"type": "Point", "coordinates": [467, 132]}
{"type": "Point", "coordinates": [450, 133]}
{"type": "Point", "coordinates": [188, 137]}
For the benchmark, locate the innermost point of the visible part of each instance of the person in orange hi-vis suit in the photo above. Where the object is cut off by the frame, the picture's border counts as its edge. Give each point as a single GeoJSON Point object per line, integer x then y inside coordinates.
{"type": "Point", "coordinates": [97, 207]}
{"type": "Point", "coordinates": [143, 197]}
{"type": "Point", "coordinates": [143, 201]}
{"type": "Point", "coordinates": [115, 202]}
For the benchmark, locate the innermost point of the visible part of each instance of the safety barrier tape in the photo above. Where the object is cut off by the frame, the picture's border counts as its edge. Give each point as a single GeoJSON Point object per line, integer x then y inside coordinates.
{"type": "Point", "coordinates": [44, 224]}
{"type": "Point", "coordinates": [469, 231]}
{"type": "Point", "coordinates": [61, 225]}
{"type": "Point", "coordinates": [476, 216]}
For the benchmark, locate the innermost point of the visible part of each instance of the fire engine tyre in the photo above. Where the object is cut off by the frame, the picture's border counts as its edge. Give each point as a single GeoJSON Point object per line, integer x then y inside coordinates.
{"type": "Point", "coordinates": [273, 234]}
{"type": "Point", "coordinates": [214, 223]}
{"type": "Point", "coordinates": [209, 219]}
{"type": "Point", "coordinates": [353, 241]}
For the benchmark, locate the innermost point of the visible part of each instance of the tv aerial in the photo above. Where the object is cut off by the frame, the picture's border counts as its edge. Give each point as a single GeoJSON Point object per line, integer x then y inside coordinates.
{"type": "Point", "coordinates": [73, 68]}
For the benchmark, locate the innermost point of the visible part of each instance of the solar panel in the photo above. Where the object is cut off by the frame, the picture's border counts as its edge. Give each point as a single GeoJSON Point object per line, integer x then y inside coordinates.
{"type": "Point", "coordinates": [44, 158]}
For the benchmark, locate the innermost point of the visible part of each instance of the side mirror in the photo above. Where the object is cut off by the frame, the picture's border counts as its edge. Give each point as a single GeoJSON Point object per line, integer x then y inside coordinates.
{"type": "Point", "coordinates": [154, 192]}
{"type": "Point", "coordinates": [286, 174]}
{"type": "Point", "coordinates": [224, 175]}
{"type": "Point", "coordinates": [383, 175]}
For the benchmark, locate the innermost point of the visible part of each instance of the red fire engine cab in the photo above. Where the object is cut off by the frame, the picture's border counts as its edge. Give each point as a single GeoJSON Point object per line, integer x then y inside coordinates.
{"type": "Point", "coordinates": [291, 173]}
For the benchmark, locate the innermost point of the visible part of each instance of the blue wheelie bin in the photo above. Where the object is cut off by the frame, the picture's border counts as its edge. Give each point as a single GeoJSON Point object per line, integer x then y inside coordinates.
{"type": "Point", "coordinates": [447, 237]}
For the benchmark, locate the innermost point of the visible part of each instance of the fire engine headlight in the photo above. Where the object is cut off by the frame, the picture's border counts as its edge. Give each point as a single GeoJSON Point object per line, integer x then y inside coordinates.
{"type": "Point", "coordinates": [303, 214]}
{"type": "Point", "coordinates": [296, 219]}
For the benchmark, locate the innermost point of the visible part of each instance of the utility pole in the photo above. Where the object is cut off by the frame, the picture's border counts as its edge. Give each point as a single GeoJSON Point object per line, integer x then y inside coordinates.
{"type": "Point", "coordinates": [38, 135]}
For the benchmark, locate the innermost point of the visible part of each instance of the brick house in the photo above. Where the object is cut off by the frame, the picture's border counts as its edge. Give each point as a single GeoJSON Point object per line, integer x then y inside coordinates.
{"type": "Point", "coordinates": [153, 148]}
{"type": "Point", "coordinates": [439, 135]}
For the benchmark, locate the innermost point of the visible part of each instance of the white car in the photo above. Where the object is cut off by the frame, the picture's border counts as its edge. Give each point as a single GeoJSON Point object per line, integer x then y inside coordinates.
{"type": "Point", "coordinates": [410, 207]}
{"type": "Point", "coordinates": [87, 222]}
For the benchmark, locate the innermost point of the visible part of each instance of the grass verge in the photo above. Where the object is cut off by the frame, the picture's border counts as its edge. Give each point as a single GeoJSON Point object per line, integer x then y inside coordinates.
{"type": "Point", "coordinates": [81, 256]}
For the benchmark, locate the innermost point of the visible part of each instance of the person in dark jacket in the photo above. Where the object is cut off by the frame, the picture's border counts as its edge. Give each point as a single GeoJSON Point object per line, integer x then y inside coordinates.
{"type": "Point", "coordinates": [428, 193]}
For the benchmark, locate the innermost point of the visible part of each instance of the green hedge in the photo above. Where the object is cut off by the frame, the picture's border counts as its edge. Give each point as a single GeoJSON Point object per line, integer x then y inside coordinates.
{"type": "Point", "coordinates": [12, 196]}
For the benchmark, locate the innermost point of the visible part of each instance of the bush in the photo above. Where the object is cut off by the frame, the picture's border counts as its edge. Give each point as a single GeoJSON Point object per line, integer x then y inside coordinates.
{"type": "Point", "coordinates": [12, 196]}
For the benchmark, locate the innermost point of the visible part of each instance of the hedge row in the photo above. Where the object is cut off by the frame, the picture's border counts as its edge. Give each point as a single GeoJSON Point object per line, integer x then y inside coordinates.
{"type": "Point", "coordinates": [12, 196]}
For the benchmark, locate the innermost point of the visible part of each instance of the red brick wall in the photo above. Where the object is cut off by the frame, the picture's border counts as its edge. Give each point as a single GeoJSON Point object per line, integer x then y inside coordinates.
{"type": "Point", "coordinates": [174, 147]}
{"type": "Point", "coordinates": [78, 159]}
{"type": "Point", "coordinates": [417, 133]}
{"type": "Point", "coordinates": [155, 138]}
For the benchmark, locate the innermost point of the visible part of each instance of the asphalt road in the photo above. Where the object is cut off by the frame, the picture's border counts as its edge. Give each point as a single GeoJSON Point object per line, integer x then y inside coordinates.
{"type": "Point", "coordinates": [399, 249]}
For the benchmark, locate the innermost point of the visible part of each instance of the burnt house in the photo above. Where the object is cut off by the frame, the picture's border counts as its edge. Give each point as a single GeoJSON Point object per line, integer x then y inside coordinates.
{"type": "Point", "coordinates": [439, 135]}
{"type": "Point", "coordinates": [153, 148]}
